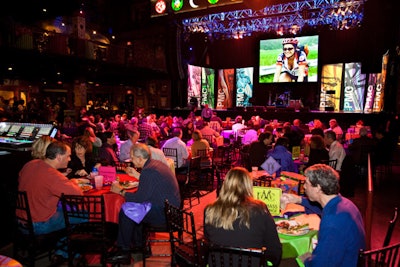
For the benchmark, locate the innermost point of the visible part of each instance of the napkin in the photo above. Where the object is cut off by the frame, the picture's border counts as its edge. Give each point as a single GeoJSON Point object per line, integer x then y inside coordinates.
{"type": "Point", "coordinates": [136, 211]}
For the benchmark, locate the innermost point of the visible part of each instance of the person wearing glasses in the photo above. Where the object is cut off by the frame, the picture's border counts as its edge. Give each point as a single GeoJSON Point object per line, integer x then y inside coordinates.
{"type": "Point", "coordinates": [291, 65]}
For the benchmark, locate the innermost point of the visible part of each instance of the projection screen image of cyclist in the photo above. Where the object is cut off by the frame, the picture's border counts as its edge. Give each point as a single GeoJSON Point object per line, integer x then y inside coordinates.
{"type": "Point", "coordinates": [293, 59]}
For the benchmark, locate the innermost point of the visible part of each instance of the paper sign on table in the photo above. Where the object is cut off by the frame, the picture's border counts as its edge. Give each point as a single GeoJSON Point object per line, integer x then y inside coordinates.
{"type": "Point", "coordinates": [109, 173]}
{"type": "Point", "coordinates": [271, 196]}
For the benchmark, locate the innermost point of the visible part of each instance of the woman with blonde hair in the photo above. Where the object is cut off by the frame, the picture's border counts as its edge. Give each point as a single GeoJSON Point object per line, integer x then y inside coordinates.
{"type": "Point", "coordinates": [40, 145]}
{"type": "Point", "coordinates": [237, 219]}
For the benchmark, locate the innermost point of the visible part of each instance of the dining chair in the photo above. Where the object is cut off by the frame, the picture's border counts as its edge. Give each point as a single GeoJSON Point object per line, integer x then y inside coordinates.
{"type": "Point", "coordinates": [87, 229]}
{"type": "Point", "coordinates": [185, 247]}
{"type": "Point", "coordinates": [390, 228]}
{"type": "Point", "coordinates": [217, 255]}
{"type": "Point", "coordinates": [210, 138]}
{"type": "Point", "coordinates": [220, 173]}
{"type": "Point", "coordinates": [154, 234]}
{"type": "Point", "coordinates": [190, 188]}
{"type": "Point", "coordinates": [382, 257]}
{"type": "Point", "coordinates": [332, 163]}
{"type": "Point", "coordinates": [263, 180]}
{"type": "Point", "coordinates": [171, 153]}
{"type": "Point", "coordinates": [28, 247]}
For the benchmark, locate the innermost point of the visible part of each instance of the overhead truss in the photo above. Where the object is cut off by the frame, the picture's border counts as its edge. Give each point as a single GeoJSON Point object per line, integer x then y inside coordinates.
{"type": "Point", "coordinates": [282, 18]}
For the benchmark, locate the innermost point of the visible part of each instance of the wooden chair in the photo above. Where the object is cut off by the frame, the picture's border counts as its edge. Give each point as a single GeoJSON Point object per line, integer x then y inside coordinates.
{"type": "Point", "coordinates": [390, 229]}
{"type": "Point", "coordinates": [87, 229]}
{"type": "Point", "coordinates": [187, 181]}
{"type": "Point", "coordinates": [154, 234]}
{"type": "Point", "coordinates": [332, 163]}
{"type": "Point", "coordinates": [264, 180]}
{"type": "Point", "coordinates": [185, 247]}
{"type": "Point", "coordinates": [382, 257]}
{"type": "Point", "coordinates": [171, 153]}
{"type": "Point", "coordinates": [220, 173]}
{"type": "Point", "coordinates": [28, 247]}
{"type": "Point", "coordinates": [216, 256]}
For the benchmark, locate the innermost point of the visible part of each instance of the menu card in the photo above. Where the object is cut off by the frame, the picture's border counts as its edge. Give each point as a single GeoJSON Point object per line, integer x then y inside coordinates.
{"type": "Point", "coordinates": [271, 196]}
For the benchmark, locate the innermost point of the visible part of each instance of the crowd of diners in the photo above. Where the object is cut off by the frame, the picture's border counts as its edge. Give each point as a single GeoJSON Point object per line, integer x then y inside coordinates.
{"type": "Point", "coordinates": [235, 218]}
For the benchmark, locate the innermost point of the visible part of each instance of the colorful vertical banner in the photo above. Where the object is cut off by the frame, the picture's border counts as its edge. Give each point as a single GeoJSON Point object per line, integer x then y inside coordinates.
{"type": "Point", "coordinates": [331, 84]}
{"type": "Point", "coordinates": [194, 83]}
{"type": "Point", "coordinates": [207, 87]}
{"type": "Point", "coordinates": [380, 85]}
{"type": "Point", "coordinates": [354, 87]}
{"type": "Point", "coordinates": [369, 100]}
{"type": "Point", "coordinates": [244, 86]}
{"type": "Point", "coordinates": [226, 78]}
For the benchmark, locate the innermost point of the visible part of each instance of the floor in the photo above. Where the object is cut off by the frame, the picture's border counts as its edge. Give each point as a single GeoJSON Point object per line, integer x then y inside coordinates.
{"type": "Point", "coordinates": [384, 198]}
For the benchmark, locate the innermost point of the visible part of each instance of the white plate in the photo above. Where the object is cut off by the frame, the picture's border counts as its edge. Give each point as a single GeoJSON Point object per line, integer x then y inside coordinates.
{"type": "Point", "coordinates": [297, 230]}
{"type": "Point", "coordinates": [86, 187]}
{"type": "Point", "coordinates": [129, 185]}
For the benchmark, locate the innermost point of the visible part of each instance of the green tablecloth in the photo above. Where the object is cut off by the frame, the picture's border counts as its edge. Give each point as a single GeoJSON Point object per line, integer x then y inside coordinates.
{"type": "Point", "coordinates": [293, 246]}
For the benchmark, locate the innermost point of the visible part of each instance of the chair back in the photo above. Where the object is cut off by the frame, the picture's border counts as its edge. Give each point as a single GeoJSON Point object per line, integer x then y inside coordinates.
{"type": "Point", "coordinates": [216, 255]}
{"type": "Point", "coordinates": [220, 173]}
{"type": "Point", "coordinates": [332, 163]}
{"type": "Point", "coordinates": [382, 257]}
{"type": "Point", "coordinates": [209, 138]}
{"type": "Point", "coordinates": [182, 231]}
{"type": "Point", "coordinates": [171, 153]}
{"type": "Point", "coordinates": [28, 247]}
{"type": "Point", "coordinates": [264, 180]}
{"type": "Point", "coordinates": [87, 229]}
{"type": "Point", "coordinates": [390, 229]}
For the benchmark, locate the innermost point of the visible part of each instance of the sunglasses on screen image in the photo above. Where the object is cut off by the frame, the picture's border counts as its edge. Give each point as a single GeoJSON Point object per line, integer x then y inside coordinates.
{"type": "Point", "coordinates": [288, 49]}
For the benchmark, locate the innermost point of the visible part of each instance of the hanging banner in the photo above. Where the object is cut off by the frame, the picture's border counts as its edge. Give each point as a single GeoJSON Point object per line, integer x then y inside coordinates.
{"type": "Point", "coordinates": [369, 100]}
{"type": "Point", "coordinates": [354, 87]}
{"type": "Point", "coordinates": [194, 83]}
{"type": "Point", "coordinates": [244, 86]}
{"type": "Point", "coordinates": [207, 86]}
{"type": "Point", "coordinates": [380, 85]}
{"type": "Point", "coordinates": [331, 84]}
{"type": "Point", "coordinates": [226, 79]}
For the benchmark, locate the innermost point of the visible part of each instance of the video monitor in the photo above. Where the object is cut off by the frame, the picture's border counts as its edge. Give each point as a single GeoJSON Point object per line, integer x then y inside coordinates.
{"type": "Point", "coordinates": [14, 130]}
{"type": "Point", "coordinates": [27, 131]}
{"type": "Point", "coordinates": [4, 126]}
{"type": "Point", "coordinates": [44, 130]}
{"type": "Point", "coordinates": [292, 59]}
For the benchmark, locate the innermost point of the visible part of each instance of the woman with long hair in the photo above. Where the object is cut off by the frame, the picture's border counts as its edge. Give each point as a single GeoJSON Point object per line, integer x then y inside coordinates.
{"type": "Point", "coordinates": [237, 219]}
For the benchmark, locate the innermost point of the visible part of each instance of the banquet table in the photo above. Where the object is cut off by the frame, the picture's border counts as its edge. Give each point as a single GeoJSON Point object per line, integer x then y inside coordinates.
{"type": "Point", "coordinates": [112, 201]}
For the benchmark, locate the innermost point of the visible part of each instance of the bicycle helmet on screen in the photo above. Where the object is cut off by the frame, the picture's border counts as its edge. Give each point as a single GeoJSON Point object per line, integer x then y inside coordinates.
{"type": "Point", "coordinates": [292, 41]}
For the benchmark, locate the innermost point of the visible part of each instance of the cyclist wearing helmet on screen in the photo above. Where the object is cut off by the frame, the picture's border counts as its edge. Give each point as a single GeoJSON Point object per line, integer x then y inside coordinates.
{"type": "Point", "coordinates": [291, 65]}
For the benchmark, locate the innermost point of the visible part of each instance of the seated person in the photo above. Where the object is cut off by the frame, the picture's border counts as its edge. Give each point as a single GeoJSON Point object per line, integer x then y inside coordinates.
{"type": "Point", "coordinates": [237, 219]}
{"type": "Point", "coordinates": [199, 143]}
{"type": "Point", "coordinates": [281, 152]}
{"type": "Point", "coordinates": [157, 183]}
{"type": "Point", "coordinates": [107, 155]}
{"type": "Point", "coordinates": [341, 230]}
{"type": "Point", "coordinates": [318, 151]}
{"type": "Point", "coordinates": [258, 150]}
{"type": "Point", "coordinates": [133, 137]}
{"type": "Point", "coordinates": [82, 161]}
{"type": "Point", "coordinates": [176, 142]}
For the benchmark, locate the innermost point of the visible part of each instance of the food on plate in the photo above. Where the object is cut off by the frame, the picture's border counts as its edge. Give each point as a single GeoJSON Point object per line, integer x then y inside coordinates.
{"type": "Point", "coordinates": [129, 184]}
{"type": "Point", "coordinates": [292, 227]}
{"type": "Point", "coordinates": [86, 187]}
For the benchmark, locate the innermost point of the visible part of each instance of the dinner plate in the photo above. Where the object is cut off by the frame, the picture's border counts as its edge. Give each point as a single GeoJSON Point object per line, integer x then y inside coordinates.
{"type": "Point", "coordinates": [86, 187]}
{"type": "Point", "coordinates": [129, 185]}
{"type": "Point", "coordinates": [292, 228]}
